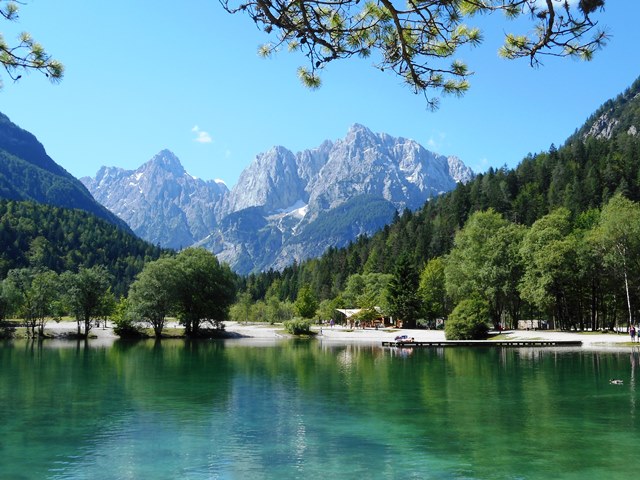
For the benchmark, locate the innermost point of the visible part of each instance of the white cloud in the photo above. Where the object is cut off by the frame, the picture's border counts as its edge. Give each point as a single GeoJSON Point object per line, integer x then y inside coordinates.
{"type": "Point", "coordinates": [201, 135]}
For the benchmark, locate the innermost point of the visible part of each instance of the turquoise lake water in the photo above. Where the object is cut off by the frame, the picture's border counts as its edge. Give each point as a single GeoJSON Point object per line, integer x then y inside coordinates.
{"type": "Point", "coordinates": [245, 409]}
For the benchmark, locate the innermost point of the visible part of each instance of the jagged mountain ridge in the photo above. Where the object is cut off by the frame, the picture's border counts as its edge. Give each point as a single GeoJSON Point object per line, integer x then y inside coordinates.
{"type": "Point", "coordinates": [397, 169]}
{"type": "Point", "coordinates": [285, 207]}
{"type": "Point", "coordinates": [160, 201]}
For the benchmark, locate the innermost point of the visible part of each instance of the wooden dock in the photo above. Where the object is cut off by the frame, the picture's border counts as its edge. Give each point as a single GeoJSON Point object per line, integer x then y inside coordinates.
{"type": "Point", "coordinates": [486, 343]}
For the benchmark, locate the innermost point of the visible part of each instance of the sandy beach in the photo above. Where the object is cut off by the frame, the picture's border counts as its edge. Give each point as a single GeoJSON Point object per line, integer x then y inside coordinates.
{"type": "Point", "coordinates": [341, 334]}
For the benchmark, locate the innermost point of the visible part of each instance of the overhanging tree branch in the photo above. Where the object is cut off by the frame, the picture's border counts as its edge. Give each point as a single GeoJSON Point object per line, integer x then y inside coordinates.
{"type": "Point", "coordinates": [418, 41]}
{"type": "Point", "coordinates": [27, 55]}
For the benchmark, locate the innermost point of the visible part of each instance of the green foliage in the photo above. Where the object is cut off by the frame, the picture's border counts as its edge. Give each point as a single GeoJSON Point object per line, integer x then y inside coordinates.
{"type": "Point", "coordinates": [404, 303]}
{"type": "Point", "coordinates": [298, 326]}
{"type": "Point", "coordinates": [86, 295]}
{"type": "Point", "coordinates": [124, 320]}
{"type": "Point", "coordinates": [327, 309]}
{"type": "Point", "coordinates": [549, 254]}
{"type": "Point", "coordinates": [204, 290]}
{"type": "Point", "coordinates": [241, 310]}
{"type": "Point", "coordinates": [367, 290]}
{"type": "Point", "coordinates": [153, 294]}
{"type": "Point", "coordinates": [468, 321]}
{"type": "Point", "coordinates": [367, 314]}
{"type": "Point", "coordinates": [33, 295]}
{"type": "Point", "coordinates": [306, 304]}
{"type": "Point", "coordinates": [432, 290]}
{"type": "Point", "coordinates": [485, 262]}
{"type": "Point", "coordinates": [619, 235]}
{"type": "Point", "coordinates": [36, 235]}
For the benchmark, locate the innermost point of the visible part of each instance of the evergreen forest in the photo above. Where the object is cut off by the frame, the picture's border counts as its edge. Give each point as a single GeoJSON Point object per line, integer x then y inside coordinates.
{"type": "Point", "coordinates": [35, 235]}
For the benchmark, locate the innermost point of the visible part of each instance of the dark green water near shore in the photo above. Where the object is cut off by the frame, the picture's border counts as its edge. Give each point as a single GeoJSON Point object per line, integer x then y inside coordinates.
{"type": "Point", "coordinates": [246, 409]}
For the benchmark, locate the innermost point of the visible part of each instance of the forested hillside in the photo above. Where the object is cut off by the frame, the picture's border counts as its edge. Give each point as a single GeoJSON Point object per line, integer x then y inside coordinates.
{"type": "Point", "coordinates": [580, 178]}
{"type": "Point", "coordinates": [28, 173]}
{"type": "Point", "coordinates": [59, 239]}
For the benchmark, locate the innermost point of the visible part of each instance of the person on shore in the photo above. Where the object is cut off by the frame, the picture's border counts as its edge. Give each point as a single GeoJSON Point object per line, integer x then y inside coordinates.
{"type": "Point", "coordinates": [632, 333]}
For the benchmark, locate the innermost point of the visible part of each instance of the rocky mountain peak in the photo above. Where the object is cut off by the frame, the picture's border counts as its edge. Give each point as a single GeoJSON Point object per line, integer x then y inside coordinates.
{"type": "Point", "coordinates": [167, 161]}
{"type": "Point", "coordinates": [272, 182]}
{"type": "Point", "coordinates": [359, 135]}
{"type": "Point", "coordinates": [160, 200]}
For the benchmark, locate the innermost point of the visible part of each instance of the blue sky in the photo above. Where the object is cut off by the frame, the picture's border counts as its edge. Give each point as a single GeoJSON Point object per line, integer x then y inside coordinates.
{"type": "Point", "coordinates": [146, 75]}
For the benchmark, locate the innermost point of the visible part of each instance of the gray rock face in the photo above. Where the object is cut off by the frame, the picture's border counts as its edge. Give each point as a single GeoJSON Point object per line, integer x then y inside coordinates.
{"type": "Point", "coordinates": [614, 117]}
{"type": "Point", "coordinates": [285, 207]}
{"type": "Point", "coordinates": [271, 181]}
{"type": "Point", "coordinates": [160, 201]}
{"type": "Point", "coordinates": [363, 163]}
{"type": "Point", "coordinates": [603, 127]}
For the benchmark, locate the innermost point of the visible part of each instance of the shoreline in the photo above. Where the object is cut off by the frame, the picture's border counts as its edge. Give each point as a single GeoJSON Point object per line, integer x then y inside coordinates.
{"type": "Point", "coordinates": [340, 334]}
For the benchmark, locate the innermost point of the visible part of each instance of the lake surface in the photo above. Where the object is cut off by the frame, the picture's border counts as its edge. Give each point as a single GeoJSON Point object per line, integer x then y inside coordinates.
{"type": "Point", "coordinates": [245, 409]}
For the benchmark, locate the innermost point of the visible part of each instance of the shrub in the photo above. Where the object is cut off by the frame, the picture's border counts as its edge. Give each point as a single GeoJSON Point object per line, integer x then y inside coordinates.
{"type": "Point", "coordinates": [468, 321]}
{"type": "Point", "coordinates": [128, 329]}
{"type": "Point", "coordinates": [297, 326]}
{"type": "Point", "coordinates": [125, 323]}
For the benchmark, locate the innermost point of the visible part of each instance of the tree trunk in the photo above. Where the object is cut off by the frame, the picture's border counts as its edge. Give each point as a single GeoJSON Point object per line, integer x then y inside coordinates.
{"type": "Point", "coordinates": [87, 326]}
{"type": "Point", "coordinates": [626, 287]}
{"type": "Point", "coordinates": [594, 307]}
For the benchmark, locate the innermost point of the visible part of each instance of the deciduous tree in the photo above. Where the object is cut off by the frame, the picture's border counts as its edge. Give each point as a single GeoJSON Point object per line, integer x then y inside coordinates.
{"type": "Point", "coordinates": [619, 234]}
{"type": "Point", "coordinates": [549, 254]}
{"type": "Point", "coordinates": [85, 292]}
{"type": "Point", "coordinates": [485, 262]}
{"type": "Point", "coordinates": [432, 290]}
{"type": "Point", "coordinates": [306, 304]}
{"type": "Point", "coordinates": [153, 294]}
{"type": "Point", "coordinates": [468, 321]}
{"type": "Point", "coordinates": [204, 289]}
{"type": "Point", "coordinates": [33, 294]}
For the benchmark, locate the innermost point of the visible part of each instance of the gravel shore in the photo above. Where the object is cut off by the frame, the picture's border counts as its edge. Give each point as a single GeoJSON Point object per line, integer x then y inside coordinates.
{"type": "Point", "coordinates": [340, 334]}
